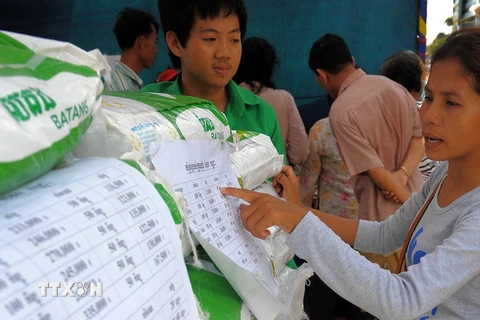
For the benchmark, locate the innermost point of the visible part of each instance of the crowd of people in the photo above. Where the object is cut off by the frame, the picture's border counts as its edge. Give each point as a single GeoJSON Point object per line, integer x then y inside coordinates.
{"type": "Point", "coordinates": [384, 207]}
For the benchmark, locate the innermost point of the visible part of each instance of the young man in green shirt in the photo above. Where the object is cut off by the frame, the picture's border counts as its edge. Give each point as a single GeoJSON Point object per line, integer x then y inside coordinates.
{"type": "Point", "coordinates": [204, 40]}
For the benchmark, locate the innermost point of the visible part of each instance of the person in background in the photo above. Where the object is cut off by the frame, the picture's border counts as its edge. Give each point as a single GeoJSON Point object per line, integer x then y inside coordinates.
{"type": "Point", "coordinates": [438, 228]}
{"type": "Point", "coordinates": [376, 124]}
{"type": "Point", "coordinates": [326, 185]}
{"type": "Point", "coordinates": [255, 73]}
{"type": "Point", "coordinates": [313, 111]}
{"type": "Point", "coordinates": [406, 68]}
{"type": "Point", "coordinates": [325, 175]}
{"type": "Point", "coordinates": [136, 33]}
{"type": "Point", "coordinates": [204, 40]}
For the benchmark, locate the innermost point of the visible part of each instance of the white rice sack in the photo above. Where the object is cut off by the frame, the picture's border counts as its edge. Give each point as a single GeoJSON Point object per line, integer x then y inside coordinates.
{"type": "Point", "coordinates": [128, 122]}
{"type": "Point", "coordinates": [46, 104]}
{"type": "Point", "coordinates": [255, 158]}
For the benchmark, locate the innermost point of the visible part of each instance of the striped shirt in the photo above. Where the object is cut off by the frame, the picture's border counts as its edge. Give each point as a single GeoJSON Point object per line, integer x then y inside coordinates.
{"type": "Point", "coordinates": [426, 167]}
{"type": "Point", "coordinates": [124, 79]}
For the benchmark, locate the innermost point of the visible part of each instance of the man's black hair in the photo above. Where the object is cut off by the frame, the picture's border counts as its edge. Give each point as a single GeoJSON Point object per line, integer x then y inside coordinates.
{"type": "Point", "coordinates": [178, 16]}
{"type": "Point", "coordinates": [329, 53]}
{"type": "Point", "coordinates": [131, 24]}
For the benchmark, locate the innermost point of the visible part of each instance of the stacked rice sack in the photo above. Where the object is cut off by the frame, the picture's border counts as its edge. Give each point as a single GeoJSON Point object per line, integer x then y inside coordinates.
{"type": "Point", "coordinates": [49, 92]}
{"type": "Point", "coordinates": [127, 122]}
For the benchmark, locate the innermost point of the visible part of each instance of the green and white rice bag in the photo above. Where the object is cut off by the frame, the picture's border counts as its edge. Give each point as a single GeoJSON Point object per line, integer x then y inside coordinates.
{"type": "Point", "coordinates": [215, 294]}
{"type": "Point", "coordinates": [46, 104]}
{"type": "Point", "coordinates": [128, 122]}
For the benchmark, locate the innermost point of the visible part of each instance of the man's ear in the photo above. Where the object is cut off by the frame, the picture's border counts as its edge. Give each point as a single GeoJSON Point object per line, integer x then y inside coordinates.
{"type": "Point", "coordinates": [322, 75]}
{"type": "Point", "coordinates": [139, 42]}
{"type": "Point", "coordinates": [173, 43]}
{"type": "Point", "coordinates": [353, 61]}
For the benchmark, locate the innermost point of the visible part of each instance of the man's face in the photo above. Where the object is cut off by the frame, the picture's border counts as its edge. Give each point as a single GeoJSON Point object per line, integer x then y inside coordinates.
{"type": "Point", "coordinates": [148, 49]}
{"type": "Point", "coordinates": [212, 53]}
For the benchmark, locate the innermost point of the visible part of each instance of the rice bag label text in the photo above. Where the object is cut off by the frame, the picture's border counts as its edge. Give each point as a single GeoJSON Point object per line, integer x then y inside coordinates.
{"type": "Point", "coordinates": [70, 114]}
{"type": "Point", "coordinates": [207, 125]}
{"type": "Point", "coordinates": [27, 103]}
{"type": "Point", "coordinates": [32, 102]}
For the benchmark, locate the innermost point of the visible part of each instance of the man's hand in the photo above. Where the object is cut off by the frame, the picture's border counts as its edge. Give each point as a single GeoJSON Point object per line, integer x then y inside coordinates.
{"type": "Point", "coordinates": [287, 185]}
{"type": "Point", "coordinates": [265, 211]}
{"type": "Point", "coordinates": [402, 178]}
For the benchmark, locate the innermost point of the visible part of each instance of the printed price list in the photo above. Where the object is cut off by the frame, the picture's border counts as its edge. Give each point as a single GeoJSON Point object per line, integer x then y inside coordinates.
{"type": "Point", "coordinates": [97, 221]}
{"type": "Point", "coordinates": [217, 219]}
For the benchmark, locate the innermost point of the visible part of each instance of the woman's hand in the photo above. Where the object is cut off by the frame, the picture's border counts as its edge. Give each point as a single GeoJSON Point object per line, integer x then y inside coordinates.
{"type": "Point", "coordinates": [265, 211]}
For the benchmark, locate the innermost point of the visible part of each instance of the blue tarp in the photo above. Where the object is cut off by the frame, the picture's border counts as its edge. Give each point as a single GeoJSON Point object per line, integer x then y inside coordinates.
{"type": "Point", "coordinates": [374, 29]}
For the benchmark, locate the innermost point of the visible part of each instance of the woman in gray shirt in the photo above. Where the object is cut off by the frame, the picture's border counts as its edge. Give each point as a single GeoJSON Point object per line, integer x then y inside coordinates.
{"type": "Point", "coordinates": [442, 248]}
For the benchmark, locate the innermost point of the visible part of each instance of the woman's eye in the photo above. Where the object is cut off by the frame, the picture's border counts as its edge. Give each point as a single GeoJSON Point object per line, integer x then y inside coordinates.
{"type": "Point", "coordinates": [451, 103]}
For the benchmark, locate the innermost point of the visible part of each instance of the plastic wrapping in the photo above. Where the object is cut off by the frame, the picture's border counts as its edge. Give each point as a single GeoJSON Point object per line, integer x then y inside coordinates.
{"type": "Point", "coordinates": [278, 252]}
{"type": "Point", "coordinates": [291, 281]}
{"type": "Point", "coordinates": [255, 158]}
{"type": "Point", "coordinates": [292, 290]}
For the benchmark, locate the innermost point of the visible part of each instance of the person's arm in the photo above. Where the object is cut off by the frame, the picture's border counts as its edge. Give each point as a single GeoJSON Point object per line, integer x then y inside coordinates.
{"type": "Point", "coordinates": [345, 228]}
{"type": "Point", "coordinates": [286, 214]}
{"type": "Point", "coordinates": [408, 295]}
{"type": "Point", "coordinates": [416, 148]}
{"type": "Point", "coordinates": [411, 294]}
{"type": "Point", "coordinates": [372, 240]}
{"type": "Point", "coordinates": [312, 167]}
{"type": "Point", "coordinates": [360, 157]}
{"type": "Point", "coordinates": [297, 140]}
{"type": "Point", "coordinates": [386, 180]}
{"type": "Point", "coordinates": [415, 153]}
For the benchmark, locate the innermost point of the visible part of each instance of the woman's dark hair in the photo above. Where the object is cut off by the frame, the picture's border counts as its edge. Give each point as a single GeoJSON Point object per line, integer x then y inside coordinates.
{"type": "Point", "coordinates": [258, 64]}
{"type": "Point", "coordinates": [464, 47]}
{"type": "Point", "coordinates": [406, 68]}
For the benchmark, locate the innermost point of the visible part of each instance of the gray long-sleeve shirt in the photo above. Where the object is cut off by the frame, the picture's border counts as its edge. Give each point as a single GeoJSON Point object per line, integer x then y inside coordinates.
{"type": "Point", "coordinates": [443, 259]}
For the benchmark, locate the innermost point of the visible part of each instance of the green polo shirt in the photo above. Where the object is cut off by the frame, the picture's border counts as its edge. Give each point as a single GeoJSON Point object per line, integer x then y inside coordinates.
{"type": "Point", "coordinates": [244, 111]}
